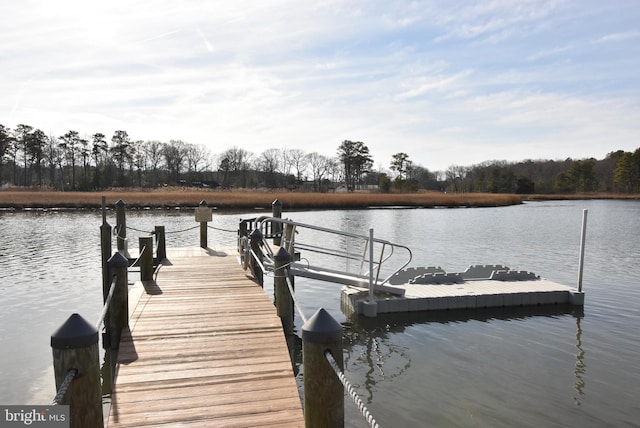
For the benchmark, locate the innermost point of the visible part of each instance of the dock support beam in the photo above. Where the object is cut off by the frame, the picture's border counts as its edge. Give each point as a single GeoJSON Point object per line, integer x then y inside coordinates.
{"type": "Point", "coordinates": [323, 391]}
{"type": "Point", "coordinates": [283, 298]}
{"type": "Point", "coordinates": [75, 346]}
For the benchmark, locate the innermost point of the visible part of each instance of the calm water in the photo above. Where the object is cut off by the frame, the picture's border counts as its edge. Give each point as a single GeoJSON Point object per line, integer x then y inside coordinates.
{"type": "Point", "coordinates": [557, 367]}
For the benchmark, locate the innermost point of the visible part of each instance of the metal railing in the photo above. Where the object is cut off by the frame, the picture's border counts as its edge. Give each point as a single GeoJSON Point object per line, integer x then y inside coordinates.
{"type": "Point", "coordinates": [368, 265]}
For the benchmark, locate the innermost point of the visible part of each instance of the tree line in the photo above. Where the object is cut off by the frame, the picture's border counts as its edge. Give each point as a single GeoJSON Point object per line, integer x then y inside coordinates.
{"type": "Point", "coordinates": [29, 157]}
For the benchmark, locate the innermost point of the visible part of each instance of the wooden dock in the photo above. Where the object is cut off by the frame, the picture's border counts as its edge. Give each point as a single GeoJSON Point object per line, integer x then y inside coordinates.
{"type": "Point", "coordinates": [205, 348]}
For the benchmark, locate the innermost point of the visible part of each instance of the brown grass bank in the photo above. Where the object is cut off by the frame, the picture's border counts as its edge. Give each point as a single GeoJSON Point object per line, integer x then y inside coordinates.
{"type": "Point", "coordinates": [185, 198]}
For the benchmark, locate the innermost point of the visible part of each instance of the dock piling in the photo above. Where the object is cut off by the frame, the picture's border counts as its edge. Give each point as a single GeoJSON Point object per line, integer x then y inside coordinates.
{"type": "Point", "coordinates": [255, 240]}
{"type": "Point", "coordinates": [146, 257]}
{"type": "Point", "coordinates": [323, 391]}
{"type": "Point", "coordinates": [276, 228]}
{"type": "Point", "coordinates": [161, 243]}
{"type": "Point", "coordinates": [283, 298]}
{"type": "Point", "coordinates": [203, 216]}
{"type": "Point", "coordinates": [121, 225]}
{"type": "Point", "coordinates": [75, 346]}
{"type": "Point", "coordinates": [118, 313]}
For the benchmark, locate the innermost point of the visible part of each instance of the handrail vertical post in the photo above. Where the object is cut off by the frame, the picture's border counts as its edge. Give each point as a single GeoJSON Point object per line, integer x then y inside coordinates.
{"type": "Point", "coordinates": [582, 239]}
{"type": "Point", "coordinates": [75, 345]}
{"type": "Point", "coordinates": [146, 257]}
{"type": "Point", "coordinates": [255, 240]}
{"type": "Point", "coordinates": [323, 391]}
{"type": "Point", "coordinates": [276, 227]}
{"type": "Point", "coordinates": [121, 225]}
{"type": "Point", "coordinates": [161, 243]}
{"type": "Point", "coordinates": [284, 300]}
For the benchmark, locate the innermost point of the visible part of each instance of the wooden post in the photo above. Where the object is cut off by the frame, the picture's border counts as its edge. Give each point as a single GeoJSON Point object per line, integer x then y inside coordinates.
{"type": "Point", "coordinates": [323, 391]}
{"type": "Point", "coordinates": [203, 227]}
{"type": "Point", "coordinates": [283, 300]}
{"type": "Point", "coordinates": [161, 243]}
{"type": "Point", "coordinates": [256, 246]}
{"type": "Point", "coordinates": [105, 250]}
{"type": "Point", "coordinates": [119, 308]}
{"type": "Point", "coordinates": [121, 225]}
{"type": "Point", "coordinates": [75, 345]}
{"type": "Point", "coordinates": [276, 228]}
{"type": "Point", "coordinates": [146, 257]}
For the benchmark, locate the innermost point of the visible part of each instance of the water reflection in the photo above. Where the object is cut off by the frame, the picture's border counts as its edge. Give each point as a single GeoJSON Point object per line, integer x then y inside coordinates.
{"type": "Point", "coordinates": [373, 355]}
{"type": "Point", "coordinates": [580, 367]}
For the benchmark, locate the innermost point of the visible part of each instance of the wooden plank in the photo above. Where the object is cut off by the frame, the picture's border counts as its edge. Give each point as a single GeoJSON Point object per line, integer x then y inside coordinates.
{"type": "Point", "coordinates": [205, 348]}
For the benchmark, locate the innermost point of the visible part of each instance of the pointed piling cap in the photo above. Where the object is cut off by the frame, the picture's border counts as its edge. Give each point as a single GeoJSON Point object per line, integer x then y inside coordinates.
{"type": "Point", "coordinates": [256, 235]}
{"type": "Point", "coordinates": [120, 203]}
{"type": "Point", "coordinates": [282, 255]}
{"type": "Point", "coordinates": [322, 328]}
{"type": "Point", "coordinates": [75, 333]}
{"type": "Point", "coordinates": [203, 203]}
{"type": "Point", "coordinates": [118, 260]}
{"type": "Point", "coordinates": [277, 203]}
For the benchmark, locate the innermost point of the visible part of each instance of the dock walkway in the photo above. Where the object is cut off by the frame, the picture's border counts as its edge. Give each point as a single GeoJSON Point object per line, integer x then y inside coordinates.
{"type": "Point", "coordinates": [205, 348]}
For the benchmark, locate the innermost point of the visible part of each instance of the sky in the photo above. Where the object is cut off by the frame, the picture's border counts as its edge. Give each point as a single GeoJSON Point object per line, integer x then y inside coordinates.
{"type": "Point", "coordinates": [455, 82]}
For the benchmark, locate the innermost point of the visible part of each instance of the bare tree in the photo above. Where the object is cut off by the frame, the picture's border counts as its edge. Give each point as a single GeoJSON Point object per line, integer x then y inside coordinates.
{"type": "Point", "coordinates": [320, 166]}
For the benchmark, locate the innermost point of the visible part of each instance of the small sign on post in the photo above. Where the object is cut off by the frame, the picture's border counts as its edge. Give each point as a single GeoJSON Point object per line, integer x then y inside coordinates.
{"type": "Point", "coordinates": [203, 214]}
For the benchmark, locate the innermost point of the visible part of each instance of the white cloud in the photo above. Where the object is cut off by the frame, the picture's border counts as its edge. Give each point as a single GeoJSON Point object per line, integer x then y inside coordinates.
{"type": "Point", "coordinates": [445, 82]}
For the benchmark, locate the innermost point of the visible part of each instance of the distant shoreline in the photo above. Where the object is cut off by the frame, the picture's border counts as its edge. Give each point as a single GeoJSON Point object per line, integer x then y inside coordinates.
{"type": "Point", "coordinates": [186, 198]}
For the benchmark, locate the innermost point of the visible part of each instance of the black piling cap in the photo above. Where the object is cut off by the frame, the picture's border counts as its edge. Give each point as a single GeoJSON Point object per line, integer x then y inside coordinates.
{"type": "Point", "coordinates": [118, 260]}
{"type": "Point", "coordinates": [75, 333]}
{"type": "Point", "coordinates": [282, 255]}
{"type": "Point", "coordinates": [277, 203]}
{"type": "Point", "coordinates": [120, 203]}
{"type": "Point", "coordinates": [322, 328]}
{"type": "Point", "coordinates": [256, 235]}
{"type": "Point", "coordinates": [203, 203]}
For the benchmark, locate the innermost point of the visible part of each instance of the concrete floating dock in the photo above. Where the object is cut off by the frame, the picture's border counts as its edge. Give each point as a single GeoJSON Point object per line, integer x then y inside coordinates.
{"type": "Point", "coordinates": [462, 295]}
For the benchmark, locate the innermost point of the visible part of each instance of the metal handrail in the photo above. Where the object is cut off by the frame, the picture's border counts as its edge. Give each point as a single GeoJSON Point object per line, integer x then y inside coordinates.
{"type": "Point", "coordinates": [262, 222]}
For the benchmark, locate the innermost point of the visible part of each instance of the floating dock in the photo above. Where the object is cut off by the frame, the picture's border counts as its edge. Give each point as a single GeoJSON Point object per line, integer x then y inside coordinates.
{"type": "Point", "coordinates": [480, 286]}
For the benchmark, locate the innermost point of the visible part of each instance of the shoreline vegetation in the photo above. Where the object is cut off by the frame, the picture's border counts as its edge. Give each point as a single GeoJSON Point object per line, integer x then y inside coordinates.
{"type": "Point", "coordinates": [185, 198]}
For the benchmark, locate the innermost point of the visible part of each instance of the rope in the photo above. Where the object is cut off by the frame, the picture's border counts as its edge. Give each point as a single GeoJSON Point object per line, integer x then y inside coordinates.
{"type": "Point", "coordinates": [352, 393]}
{"type": "Point", "coordinates": [222, 230]}
{"type": "Point", "coordinates": [135, 263]}
{"type": "Point", "coordinates": [64, 387]}
{"type": "Point", "coordinates": [141, 231]}
{"type": "Point", "coordinates": [293, 295]}
{"type": "Point", "coordinates": [181, 231]}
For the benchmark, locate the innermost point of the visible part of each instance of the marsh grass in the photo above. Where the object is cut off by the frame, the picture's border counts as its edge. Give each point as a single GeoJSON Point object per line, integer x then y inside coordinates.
{"type": "Point", "coordinates": [186, 198]}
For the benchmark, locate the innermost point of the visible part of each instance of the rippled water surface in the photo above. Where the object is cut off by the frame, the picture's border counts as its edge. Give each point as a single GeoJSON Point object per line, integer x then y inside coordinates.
{"type": "Point", "coordinates": [535, 367]}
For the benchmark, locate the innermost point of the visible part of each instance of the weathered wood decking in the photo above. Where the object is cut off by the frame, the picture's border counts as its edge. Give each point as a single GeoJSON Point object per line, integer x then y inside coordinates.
{"type": "Point", "coordinates": [205, 348]}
